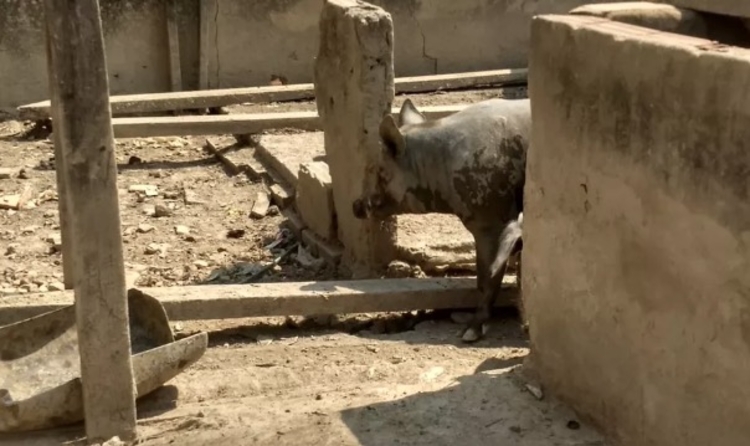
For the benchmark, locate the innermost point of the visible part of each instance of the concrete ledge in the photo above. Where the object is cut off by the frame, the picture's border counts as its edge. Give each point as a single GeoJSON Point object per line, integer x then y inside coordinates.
{"type": "Point", "coordinates": [280, 299]}
{"type": "Point", "coordinates": [160, 102]}
{"type": "Point", "coordinates": [246, 123]}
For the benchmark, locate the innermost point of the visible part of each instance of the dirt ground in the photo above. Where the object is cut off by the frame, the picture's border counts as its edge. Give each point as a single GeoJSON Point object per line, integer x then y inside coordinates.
{"type": "Point", "coordinates": [361, 380]}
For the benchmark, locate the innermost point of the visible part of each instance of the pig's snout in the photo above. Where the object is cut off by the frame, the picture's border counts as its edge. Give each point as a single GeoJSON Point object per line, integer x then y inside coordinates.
{"type": "Point", "coordinates": [359, 207]}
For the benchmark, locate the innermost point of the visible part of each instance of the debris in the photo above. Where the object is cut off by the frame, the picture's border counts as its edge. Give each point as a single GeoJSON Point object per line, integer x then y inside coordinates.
{"type": "Point", "coordinates": [23, 174]}
{"type": "Point", "coordinates": [305, 259]}
{"type": "Point", "coordinates": [47, 195]}
{"type": "Point", "coordinates": [398, 269]}
{"type": "Point", "coordinates": [162, 211]}
{"type": "Point", "coordinates": [189, 197]}
{"type": "Point", "coordinates": [271, 265]}
{"type": "Point", "coordinates": [260, 206]}
{"type": "Point", "coordinates": [144, 228]}
{"type": "Point", "coordinates": [56, 241]}
{"type": "Point", "coordinates": [181, 230]}
{"type": "Point", "coordinates": [7, 173]}
{"type": "Point", "coordinates": [235, 233]}
{"type": "Point", "coordinates": [147, 189]}
{"type": "Point", "coordinates": [134, 160]}
{"type": "Point", "coordinates": [29, 230]}
{"type": "Point", "coordinates": [536, 391]}
{"type": "Point", "coordinates": [156, 248]}
{"type": "Point", "coordinates": [10, 201]}
{"type": "Point", "coordinates": [56, 286]}
{"type": "Point", "coordinates": [149, 210]}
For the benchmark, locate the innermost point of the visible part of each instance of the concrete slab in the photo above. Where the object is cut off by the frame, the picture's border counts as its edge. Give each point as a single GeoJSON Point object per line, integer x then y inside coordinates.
{"type": "Point", "coordinates": [280, 298]}
{"type": "Point", "coordinates": [315, 199]}
{"type": "Point", "coordinates": [636, 240]}
{"type": "Point", "coordinates": [285, 153]}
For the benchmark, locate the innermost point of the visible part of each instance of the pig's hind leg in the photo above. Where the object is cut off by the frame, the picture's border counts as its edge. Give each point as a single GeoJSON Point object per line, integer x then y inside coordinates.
{"type": "Point", "coordinates": [493, 252]}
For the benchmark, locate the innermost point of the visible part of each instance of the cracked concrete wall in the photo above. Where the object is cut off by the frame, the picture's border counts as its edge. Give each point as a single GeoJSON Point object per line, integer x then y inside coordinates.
{"type": "Point", "coordinates": [251, 41]}
{"type": "Point", "coordinates": [258, 39]}
{"type": "Point", "coordinates": [135, 39]}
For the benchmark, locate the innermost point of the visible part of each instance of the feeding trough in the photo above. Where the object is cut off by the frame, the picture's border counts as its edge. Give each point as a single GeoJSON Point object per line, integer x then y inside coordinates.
{"type": "Point", "coordinates": [40, 375]}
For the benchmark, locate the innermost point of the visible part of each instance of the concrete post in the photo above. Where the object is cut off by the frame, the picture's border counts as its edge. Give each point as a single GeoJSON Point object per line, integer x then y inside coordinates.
{"type": "Point", "coordinates": [354, 88]}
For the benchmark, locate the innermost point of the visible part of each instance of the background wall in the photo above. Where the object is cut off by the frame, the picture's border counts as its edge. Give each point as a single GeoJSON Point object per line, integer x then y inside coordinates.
{"type": "Point", "coordinates": [252, 40]}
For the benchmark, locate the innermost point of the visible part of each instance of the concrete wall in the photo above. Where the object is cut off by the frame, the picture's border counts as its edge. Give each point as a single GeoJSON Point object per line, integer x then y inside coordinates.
{"type": "Point", "coordinates": [135, 39]}
{"type": "Point", "coordinates": [637, 230]}
{"type": "Point", "coordinates": [252, 40]}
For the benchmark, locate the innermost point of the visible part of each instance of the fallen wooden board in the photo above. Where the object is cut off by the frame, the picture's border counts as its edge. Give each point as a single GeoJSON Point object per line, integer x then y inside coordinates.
{"type": "Point", "coordinates": [237, 123]}
{"type": "Point", "coordinates": [281, 298]}
{"type": "Point", "coordinates": [161, 102]}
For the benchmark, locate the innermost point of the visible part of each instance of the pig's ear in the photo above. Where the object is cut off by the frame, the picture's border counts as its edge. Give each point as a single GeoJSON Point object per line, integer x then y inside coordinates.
{"type": "Point", "coordinates": [409, 114]}
{"type": "Point", "coordinates": [390, 135]}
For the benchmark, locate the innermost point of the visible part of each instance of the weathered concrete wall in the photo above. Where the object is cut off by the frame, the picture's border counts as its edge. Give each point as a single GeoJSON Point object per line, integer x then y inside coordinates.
{"type": "Point", "coordinates": [135, 39]}
{"type": "Point", "coordinates": [252, 40]}
{"type": "Point", "coordinates": [637, 230]}
{"type": "Point", "coordinates": [431, 36]}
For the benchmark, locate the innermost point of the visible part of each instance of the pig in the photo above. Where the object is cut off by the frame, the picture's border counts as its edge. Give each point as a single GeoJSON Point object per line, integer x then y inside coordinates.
{"type": "Point", "coordinates": [470, 164]}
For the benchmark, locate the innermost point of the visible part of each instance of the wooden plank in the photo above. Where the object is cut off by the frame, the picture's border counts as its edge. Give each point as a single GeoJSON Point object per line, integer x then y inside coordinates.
{"type": "Point", "coordinates": [173, 36]}
{"type": "Point", "coordinates": [78, 76]}
{"type": "Point", "coordinates": [198, 302]}
{"type": "Point", "coordinates": [237, 123]}
{"type": "Point", "coordinates": [161, 102]}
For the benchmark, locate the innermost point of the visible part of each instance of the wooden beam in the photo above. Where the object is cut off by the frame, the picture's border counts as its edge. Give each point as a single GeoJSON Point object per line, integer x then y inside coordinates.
{"type": "Point", "coordinates": [198, 302]}
{"type": "Point", "coordinates": [80, 98]}
{"type": "Point", "coordinates": [173, 37]}
{"type": "Point", "coordinates": [161, 102]}
{"type": "Point", "coordinates": [237, 123]}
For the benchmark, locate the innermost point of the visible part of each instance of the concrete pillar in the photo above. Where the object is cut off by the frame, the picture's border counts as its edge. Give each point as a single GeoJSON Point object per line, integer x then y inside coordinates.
{"type": "Point", "coordinates": [354, 88]}
{"type": "Point", "coordinates": [637, 230]}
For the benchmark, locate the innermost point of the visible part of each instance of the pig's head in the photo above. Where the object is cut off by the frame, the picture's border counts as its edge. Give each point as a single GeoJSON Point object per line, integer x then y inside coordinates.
{"type": "Point", "coordinates": [389, 180]}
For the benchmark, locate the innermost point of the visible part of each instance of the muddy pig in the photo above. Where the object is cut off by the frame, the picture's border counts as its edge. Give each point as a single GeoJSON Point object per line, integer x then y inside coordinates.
{"type": "Point", "coordinates": [470, 164]}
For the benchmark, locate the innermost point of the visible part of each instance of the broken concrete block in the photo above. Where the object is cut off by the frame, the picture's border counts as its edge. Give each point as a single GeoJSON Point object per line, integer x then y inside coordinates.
{"type": "Point", "coordinates": [330, 251]}
{"type": "Point", "coordinates": [7, 173]}
{"type": "Point", "coordinates": [10, 201]}
{"type": "Point", "coordinates": [260, 206]}
{"type": "Point", "coordinates": [353, 89]}
{"type": "Point", "coordinates": [282, 195]}
{"type": "Point", "coordinates": [315, 199]}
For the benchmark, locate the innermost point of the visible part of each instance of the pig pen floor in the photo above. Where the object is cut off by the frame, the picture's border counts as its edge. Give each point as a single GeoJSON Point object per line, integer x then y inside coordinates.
{"type": "Point", "coordinates": [282, 386]}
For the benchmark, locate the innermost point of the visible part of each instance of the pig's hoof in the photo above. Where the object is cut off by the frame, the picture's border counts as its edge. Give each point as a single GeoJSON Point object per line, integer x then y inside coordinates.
{"type": "Point", "coordinates": [471, 335]}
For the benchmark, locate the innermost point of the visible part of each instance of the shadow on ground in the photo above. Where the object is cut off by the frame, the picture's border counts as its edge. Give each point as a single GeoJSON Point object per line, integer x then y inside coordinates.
{"type": "Point", "coordinates": [490, 407]}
